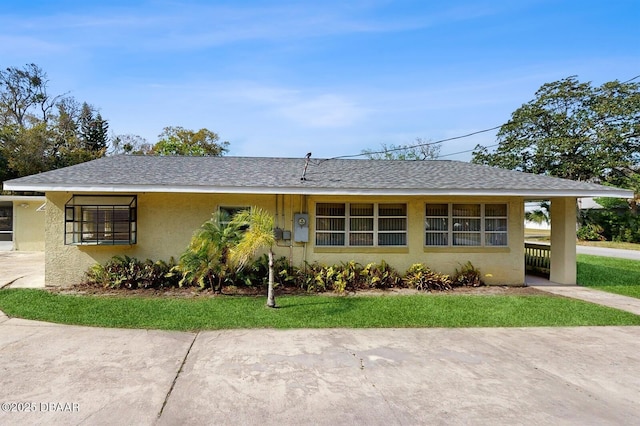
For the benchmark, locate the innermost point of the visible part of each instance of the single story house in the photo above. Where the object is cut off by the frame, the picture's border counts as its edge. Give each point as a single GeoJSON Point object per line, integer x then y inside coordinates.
{"type": "Point", "coordinates": [22, 222]}
{"type": "Point", "coordinates": [442, 213]}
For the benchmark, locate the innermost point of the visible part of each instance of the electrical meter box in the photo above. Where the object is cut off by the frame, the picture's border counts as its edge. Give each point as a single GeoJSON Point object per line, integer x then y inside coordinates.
{"type": "Point", "coordinates": [301, 228]}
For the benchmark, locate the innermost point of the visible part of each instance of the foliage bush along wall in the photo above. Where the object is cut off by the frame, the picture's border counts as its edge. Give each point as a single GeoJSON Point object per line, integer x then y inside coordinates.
{"type": "Point", "coordinates": [130, 273]}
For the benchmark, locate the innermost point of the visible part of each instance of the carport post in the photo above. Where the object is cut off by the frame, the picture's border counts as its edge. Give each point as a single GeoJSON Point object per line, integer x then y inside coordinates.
{"type": "Point", "coordinates": [563, 240]}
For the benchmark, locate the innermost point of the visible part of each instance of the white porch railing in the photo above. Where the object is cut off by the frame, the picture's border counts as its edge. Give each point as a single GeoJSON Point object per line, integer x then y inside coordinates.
{"type": "Point", "coordinates": [537, 259]}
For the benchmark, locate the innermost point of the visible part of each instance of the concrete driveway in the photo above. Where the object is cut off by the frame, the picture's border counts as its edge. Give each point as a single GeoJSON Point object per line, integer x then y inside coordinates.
{"type": "Point", "coordinates": [83, 375]}
{"type": "Point", "coordinates": [21, 269]}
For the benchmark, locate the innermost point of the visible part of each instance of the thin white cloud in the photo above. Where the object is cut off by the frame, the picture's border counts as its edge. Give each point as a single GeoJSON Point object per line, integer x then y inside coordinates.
{"type": "Point", "coordinates": [306, 108]}
{"type": "Point", "coordinates": [171, 26]}
{"type": "Point", "coordinates": [18, 44]}
{"type": "Point", "coordinates": [324, 111]}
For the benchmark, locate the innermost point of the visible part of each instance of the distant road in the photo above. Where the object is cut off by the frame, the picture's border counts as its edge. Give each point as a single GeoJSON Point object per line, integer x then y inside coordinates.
{"type": "Point", "coordinates": [609, 252]}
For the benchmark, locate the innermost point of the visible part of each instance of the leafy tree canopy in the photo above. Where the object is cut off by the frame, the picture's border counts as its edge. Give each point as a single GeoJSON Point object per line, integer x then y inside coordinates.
{"type": "Point", "coordinates": [180, 141]}
{"type": "Point", "coordinates": [572, 130]}
{"type": "Point", "coordinates": [130, 144]}
{"type": "Point", "coordinates": [40, 131]}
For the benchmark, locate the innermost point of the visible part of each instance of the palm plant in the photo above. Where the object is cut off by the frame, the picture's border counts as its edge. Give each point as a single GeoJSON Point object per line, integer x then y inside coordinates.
{"type": "Point", "coordinates": [540, 215]}
{"type": "Point", "coordinates": [258, 234]}
{"type": "Point", "coordinates": [207, 260]}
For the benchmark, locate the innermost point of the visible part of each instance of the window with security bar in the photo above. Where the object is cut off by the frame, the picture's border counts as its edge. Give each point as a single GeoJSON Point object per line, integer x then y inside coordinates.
{"type": "Point", "coordinates": [101, 220]}
{"type": "Point", "coordinates": [361, 224]}
{"type": "Point", "coordinates": [452, 224]}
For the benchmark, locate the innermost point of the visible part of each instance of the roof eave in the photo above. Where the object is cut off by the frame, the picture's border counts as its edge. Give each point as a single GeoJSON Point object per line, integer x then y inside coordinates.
{"type": "Point", "coordinates": [22, 197]}
{"type": "Point", "coordinates": [301, 190]}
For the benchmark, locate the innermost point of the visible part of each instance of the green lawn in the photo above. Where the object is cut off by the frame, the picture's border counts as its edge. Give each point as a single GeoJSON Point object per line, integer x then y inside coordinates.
{"type": "Point", "coordinates": [621, 276]}
{"type": "Point", "coordinates": [310, 311]}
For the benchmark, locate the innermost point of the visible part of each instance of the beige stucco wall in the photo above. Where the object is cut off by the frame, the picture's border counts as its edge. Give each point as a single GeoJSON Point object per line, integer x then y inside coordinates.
{"type": "Point", "coordinates": [167, 221]}
{"type": "Point", "coordinates": [499, 265]}
{"type": "Point", "coordinates": [28, 225]}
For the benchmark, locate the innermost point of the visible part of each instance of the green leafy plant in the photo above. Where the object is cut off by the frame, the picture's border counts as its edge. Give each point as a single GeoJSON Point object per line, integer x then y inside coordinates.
{"type": "Point", "coordinates": [256, 273]}
{"type": "Point", "coordinates": [348, 277]}
{"type": "Point", "coordinates": [131, 273]}
{"type": "Point", "coordinates": [468, 275]}
{"type": "Point", "coordinates": [312, 278]}
{"type": "Point", "coordinates": [421, 277]}
{"type": "Point", "coordinates": [591, 232]}
{"type": "Point", "coordinates": [381, 276]}
{"type": "Point", "coordinates": [207, 259]}
{"type": "Point", "coordinates": [257, 227]}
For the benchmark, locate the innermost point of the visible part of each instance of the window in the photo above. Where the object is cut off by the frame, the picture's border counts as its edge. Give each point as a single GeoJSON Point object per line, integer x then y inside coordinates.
{"type": "Point", "coordinates": [101, 220]}
{"type": "Point", "coordinates": [361, 224]}
{"type": "Point", "coordinates": [227, 213]}
{"type": "Point", "coordinates": [466, 224]}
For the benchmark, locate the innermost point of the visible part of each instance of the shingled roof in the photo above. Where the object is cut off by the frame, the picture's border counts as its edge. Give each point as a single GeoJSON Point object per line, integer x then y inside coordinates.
{"type": "Point", "coordinates": [127, 173]}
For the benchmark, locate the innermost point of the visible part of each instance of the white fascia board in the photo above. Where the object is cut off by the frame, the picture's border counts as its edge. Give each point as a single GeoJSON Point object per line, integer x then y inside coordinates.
{"type": "Point", "coordinates": [530, 194]}
{"type": "Point", "coordinates": [22, 197]}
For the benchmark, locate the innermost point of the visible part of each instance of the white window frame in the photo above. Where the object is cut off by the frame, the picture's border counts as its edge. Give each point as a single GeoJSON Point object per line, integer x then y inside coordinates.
{"type": "Point", "coordinates": [451, 232]}
{"type": "Point", "coordinates": [347, 232]}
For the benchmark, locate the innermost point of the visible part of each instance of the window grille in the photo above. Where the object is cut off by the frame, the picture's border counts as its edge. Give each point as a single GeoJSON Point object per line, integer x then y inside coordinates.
{"type": "Point", "coordinates": [466, 224]}
{"type": "Point", "coordinates": [101, 220]}
{"type": "Point", "coordinates": [361, 224]}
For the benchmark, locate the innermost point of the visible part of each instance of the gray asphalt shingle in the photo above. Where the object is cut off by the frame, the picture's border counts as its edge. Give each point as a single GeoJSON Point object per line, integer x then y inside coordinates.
{"type": "Point", "coordinates": [195, 174]}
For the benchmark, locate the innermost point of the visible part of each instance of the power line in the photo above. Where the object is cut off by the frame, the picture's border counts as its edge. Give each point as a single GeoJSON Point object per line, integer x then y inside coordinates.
{"type": "Point", "coordinates": [401, 148]}
{"type": "Point", "coordinates": [465, 151]}
{"type": "Point", "coordinates": [416, 145]}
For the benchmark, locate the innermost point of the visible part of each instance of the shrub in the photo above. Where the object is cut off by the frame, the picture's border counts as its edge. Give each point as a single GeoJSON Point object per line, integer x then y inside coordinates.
{"type": "Point", "coordinates": [257, 273]}
{"type": "Point", "coordinates": [468, 275]}
{"type": "Point", "coordinates": [313, 277]}
{"type": "Point", "coordinates": [348, 276]}
{"type": "Point", "coordinates": [131, 273]}
{"type": "Point", "coordinates": [421, 277]}
{"type": "Point", "coordinates": [381, 276]}
{"type": "Point", "coordinates": [591, 232]}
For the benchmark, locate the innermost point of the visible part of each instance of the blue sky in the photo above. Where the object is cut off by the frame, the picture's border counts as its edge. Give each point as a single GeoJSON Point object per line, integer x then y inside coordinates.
{"type": "Point", "coordinates": [282, 78]}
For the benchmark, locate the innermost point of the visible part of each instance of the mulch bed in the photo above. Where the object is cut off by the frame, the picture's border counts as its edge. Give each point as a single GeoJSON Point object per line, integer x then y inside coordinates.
{"type": "Point", "coordinates": [195, 292]}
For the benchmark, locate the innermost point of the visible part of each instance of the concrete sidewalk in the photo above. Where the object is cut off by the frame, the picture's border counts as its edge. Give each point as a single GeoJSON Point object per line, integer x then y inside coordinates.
{"type": "Point", "coordinates": [625, 303]}
{"type": "Point", "coordinates": [83, 375]}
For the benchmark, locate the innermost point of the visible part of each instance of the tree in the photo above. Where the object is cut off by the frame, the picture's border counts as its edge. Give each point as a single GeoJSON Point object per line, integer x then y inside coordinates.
{"type": "Point", "coordinates": [24, 96]}
{"type": "Point", "coordinates": [540, 215]}
{"type": "Point", "coordinates": [29, 149]}
{"type": "Point", "coordinates": [571, 130]}
{"type": "Point", "coordinates": [421, 150]}
{"type": "Point", "coordinates": [93, 129]}
{"type": "Point", "coordinates": [258, 234]}
{"type": "Point", "coordinates": [180, 141]}
{"type": "Point", "coordinates": [207, 259]}
{"type": "Point", "coordinates": [40, 131]}
{"type": "Point", "coordinates": [130, 144]}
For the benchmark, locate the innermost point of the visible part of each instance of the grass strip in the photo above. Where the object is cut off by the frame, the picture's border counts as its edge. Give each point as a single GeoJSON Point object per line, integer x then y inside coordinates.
{"type": "Point", "coordinates": [620, 276]}
{"type": "Point", "coordinates": [310, 311]}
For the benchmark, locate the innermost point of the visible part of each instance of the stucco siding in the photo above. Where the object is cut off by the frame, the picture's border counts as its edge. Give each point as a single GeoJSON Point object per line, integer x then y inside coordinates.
{"type": "Point", "coordinates": [28, 226]}
{"type": "Point", "coordinates": [498, 265]}
{"type": "Point", "coordinates": [165, 224]}
{"type": "Point", "coordinates": [167, 221]}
